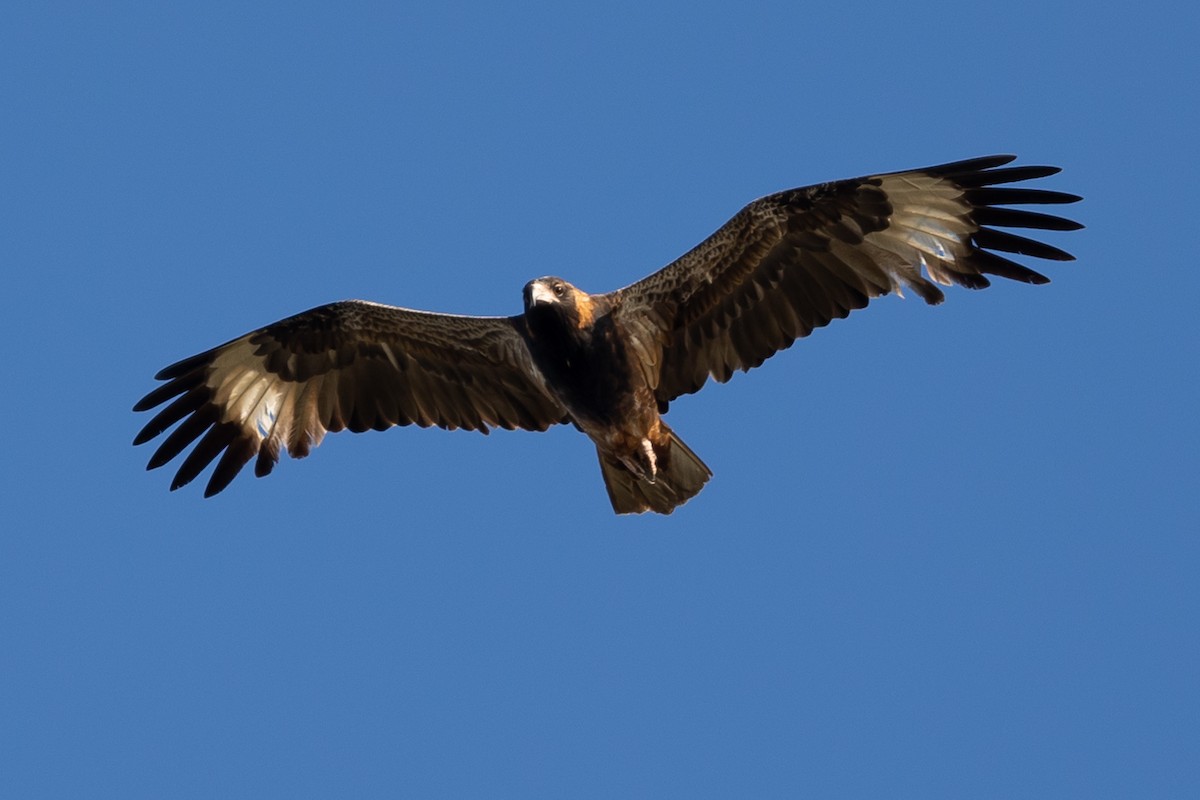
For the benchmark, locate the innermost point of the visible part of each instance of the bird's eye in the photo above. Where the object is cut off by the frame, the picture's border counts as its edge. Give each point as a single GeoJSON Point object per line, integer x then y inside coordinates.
{"type": "Point", "coordinates": [559, 289]}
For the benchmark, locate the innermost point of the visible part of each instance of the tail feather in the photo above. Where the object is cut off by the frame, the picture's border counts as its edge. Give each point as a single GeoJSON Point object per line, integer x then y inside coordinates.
{"type": "Point", "coordinates": [681, 476]}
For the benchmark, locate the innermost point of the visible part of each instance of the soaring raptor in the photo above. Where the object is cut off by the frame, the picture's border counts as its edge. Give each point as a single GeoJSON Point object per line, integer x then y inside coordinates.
{"type": "Point", "coordinates": [608, 363]}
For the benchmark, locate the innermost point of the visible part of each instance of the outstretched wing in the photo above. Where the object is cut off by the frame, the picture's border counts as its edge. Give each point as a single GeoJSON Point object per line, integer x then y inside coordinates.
{"type": "Point", "coordinates": [793, 261]}
{"type": "Point", "coordinates": [353, 365]}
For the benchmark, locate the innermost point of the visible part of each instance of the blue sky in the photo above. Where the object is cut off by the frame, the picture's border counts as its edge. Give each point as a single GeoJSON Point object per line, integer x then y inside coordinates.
{"type": "Point", "coordinates": [947, 552]}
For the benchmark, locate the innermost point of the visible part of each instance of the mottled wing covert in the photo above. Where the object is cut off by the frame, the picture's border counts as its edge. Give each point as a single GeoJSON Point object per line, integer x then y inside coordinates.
{"type": "Point", "coordinates": [348, 365]}
{"type": "Point", "coordinates": [793, 261]}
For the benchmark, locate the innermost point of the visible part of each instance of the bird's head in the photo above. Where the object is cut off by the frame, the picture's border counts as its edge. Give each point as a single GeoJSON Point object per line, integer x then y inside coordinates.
{"type": "Point", "coordinates": [556, 296]}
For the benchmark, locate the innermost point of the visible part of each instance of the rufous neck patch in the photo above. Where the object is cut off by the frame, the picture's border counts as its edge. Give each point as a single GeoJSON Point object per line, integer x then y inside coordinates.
{"type": "Point", "coordinates": [585, 307]}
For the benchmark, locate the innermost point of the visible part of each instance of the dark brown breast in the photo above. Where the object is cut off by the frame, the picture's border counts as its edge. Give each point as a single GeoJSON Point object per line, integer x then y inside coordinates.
{"type": "Point", "coordinates": [586, 366]}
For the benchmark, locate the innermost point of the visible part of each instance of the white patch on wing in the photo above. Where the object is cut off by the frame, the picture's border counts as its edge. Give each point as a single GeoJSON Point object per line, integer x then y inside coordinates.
{"type": "Point", "coordinates": [264, 410]}
{"type": "Point", "coordinates": [928, 229]}
{"type": "Point", "coordinates": [246, 394]}
{"type": "Point", "coordinates": [265, 421]}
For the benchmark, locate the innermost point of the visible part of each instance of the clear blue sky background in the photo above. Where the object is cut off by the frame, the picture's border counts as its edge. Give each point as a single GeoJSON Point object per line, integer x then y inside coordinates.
{"type": "Point", "coordinates": [948, 552]}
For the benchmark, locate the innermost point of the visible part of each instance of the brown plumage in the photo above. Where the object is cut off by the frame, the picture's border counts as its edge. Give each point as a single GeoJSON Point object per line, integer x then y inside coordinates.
{"type": "Point", "coordinates": [610, 364]}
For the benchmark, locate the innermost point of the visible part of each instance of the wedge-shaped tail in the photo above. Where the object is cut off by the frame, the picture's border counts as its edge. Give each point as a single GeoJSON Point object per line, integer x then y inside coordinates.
{"type": "Point", "coordinates": [681, 476]}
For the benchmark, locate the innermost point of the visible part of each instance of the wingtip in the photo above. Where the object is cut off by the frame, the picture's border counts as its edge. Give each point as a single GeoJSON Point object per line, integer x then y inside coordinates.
{"type": "Point", "coordinates": [145, 435]}
{"type": "Point", "coordinates": [970, 165]}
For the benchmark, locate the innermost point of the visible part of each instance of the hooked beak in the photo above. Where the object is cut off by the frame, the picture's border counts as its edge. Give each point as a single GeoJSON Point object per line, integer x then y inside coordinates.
{"type": "Point", "coordinates": [540, 293]}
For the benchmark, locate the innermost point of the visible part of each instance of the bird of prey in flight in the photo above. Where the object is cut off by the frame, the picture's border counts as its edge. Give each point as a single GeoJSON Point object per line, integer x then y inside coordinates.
{"type": "Point", "coordinates": [607, 363]}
